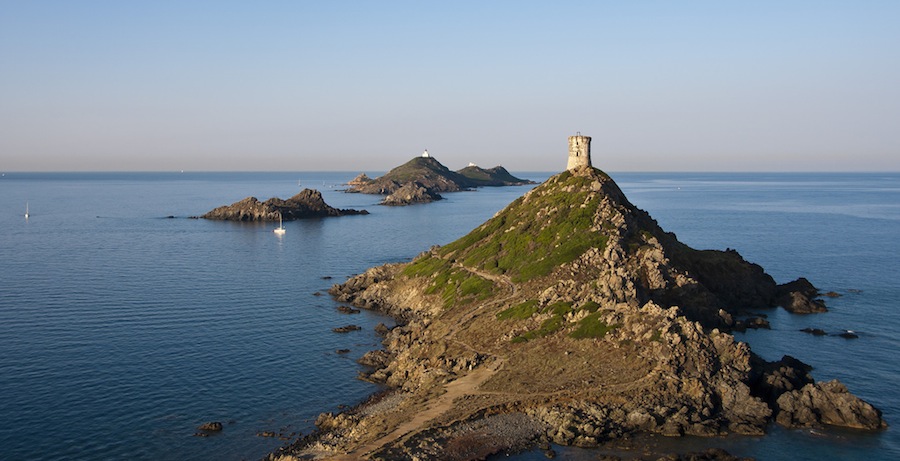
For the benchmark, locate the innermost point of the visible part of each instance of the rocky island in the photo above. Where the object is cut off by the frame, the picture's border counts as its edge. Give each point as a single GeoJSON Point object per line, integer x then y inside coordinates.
{"type": "Point", "coordinates": [422, 179]}
{"type": "Point", "coordinates": [307, 204]}
{"type": "Point", "coordinates": [569, 317]}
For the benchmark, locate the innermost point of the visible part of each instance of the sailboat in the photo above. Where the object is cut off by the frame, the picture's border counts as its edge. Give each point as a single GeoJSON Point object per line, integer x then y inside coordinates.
{"type": "Point", "coordinates": [26, 210]}
{"type": "Point", "coordinates": [280, 229]}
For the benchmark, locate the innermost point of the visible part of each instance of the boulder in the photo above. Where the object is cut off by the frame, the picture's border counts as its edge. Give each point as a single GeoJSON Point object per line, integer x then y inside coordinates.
{"type": "Point", "coordinates": [769, 380]}
{"type": "Point", "coordinates": [212, 426]}
{"type": "Point", "coordinates": [828, 403]}
{"type": "Point", "coordinates": [799, 297]}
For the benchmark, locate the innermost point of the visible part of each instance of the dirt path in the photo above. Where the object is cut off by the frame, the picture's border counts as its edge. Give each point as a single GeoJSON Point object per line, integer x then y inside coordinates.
{"type": "Point", "coordinates": [466, 385]}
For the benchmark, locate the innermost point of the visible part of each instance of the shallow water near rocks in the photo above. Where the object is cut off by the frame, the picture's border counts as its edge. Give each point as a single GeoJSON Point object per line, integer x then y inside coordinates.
{"type": "Point", "coordinates": [122, 330]}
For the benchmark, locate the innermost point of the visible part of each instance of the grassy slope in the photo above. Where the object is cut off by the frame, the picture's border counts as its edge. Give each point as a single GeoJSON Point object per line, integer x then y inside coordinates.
{"type": "Point", "coordinates": [530, 238]}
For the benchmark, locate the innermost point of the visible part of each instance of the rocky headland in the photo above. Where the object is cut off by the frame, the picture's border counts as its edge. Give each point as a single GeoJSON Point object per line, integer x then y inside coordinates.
{"type": "Point", "coordinates": [570, 317]}
{"type": "Point", "coordinates": [422, 179]}
{"type": "Point", "coordinates": [307, 204]}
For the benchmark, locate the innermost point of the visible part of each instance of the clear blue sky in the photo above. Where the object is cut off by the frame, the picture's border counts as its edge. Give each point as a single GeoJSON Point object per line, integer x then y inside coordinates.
{"type": "Point", "coordinates": [364, 86]}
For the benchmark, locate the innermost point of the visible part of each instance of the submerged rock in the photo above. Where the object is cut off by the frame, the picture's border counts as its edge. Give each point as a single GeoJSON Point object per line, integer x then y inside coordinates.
{"type": "Point", "coordinates": [814, 331]}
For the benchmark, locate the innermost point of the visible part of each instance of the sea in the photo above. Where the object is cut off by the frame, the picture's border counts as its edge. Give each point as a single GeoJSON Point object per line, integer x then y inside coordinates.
{"type": "Point", "coordinates": [125, 324]}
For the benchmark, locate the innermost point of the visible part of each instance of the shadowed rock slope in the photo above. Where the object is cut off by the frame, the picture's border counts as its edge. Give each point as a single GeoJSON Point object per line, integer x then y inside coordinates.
{"type": "Point", "coordinates": [571, 317]}
{"type": "Point", "coordinates": [307, 204]}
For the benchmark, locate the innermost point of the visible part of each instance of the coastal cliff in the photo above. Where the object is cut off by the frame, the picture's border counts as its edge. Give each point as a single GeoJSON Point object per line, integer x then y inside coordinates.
{"type": "Point", "coordinates": [569, 317]}
{"type": "Point", "coordinates": [307, 204]}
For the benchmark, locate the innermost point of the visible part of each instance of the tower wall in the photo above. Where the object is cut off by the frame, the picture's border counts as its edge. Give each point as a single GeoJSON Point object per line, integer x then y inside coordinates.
{"type": "Point", "coordinates": [579, 151]}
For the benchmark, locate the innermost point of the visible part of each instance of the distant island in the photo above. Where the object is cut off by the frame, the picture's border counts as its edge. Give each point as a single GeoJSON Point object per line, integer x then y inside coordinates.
{"type": "Point", "coordinates": [307, 204]}
{"type": "Point", "coordinates": [570, 317]}
{"type": "Point", "coordinates": [422, 179]}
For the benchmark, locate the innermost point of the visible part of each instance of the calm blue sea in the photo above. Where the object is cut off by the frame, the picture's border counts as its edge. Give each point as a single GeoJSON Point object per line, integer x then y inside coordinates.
{"type": "Point", "coordinates": [122, 330]}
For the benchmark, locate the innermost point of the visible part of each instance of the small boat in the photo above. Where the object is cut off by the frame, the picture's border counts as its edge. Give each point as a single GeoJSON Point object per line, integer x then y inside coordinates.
{"type": "Point", "coordinates": [280, 229]}
{"type": "Point", "coordinates": [26, 210]}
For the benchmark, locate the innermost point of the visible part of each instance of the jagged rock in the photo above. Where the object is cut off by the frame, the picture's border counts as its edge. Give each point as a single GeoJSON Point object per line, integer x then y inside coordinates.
{"type": "Point", "coordinates": [347, 310]}
{"type": "Point", "coordinates": [798, 297]}
{"type": "Point", "coordinates": [307, 204]}
{"type": "Point", "coordinates": [346, 329]}
{"type": "Point", "coordinates": [828, 403]}
{"type": "Point", "coordinates": [411, 193]}
{"type": "Point", "coordinates": [381, 329]}
{"type": "Point", "coordinates": [753, 323]}
{"type": "Point", "coordinates": [360, 180]}
{"type": "Point", "coordinates": [814, 331]}
{"type": "Point", "coordinates": [769, 380]}
{"type": "Point", "coordinates": [848, 335]}
{"type": "Point", "coordinates": [212, 426]}
{"type": "Point", "coordinates": [375, 359]}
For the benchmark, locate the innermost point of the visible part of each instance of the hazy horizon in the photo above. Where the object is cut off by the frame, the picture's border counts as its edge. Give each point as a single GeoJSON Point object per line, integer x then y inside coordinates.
{"type": "Point", "coordinates": [343, 86]}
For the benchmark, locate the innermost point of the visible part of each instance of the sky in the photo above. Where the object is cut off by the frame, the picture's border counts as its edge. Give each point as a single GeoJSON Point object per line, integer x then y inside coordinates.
{"type": "Point", "coordinates": [366, 85]}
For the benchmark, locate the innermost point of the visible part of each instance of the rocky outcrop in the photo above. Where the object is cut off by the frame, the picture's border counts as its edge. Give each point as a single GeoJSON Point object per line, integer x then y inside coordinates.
{"type": "Point", "coordinates": [770, 380]}
{"type": "Point", "coordinates": [574, 313]}
{"type": "Point", "coordinates": [829, 403]}
{"type": "Point", "coordinates": [422, 179]}
{"type": "Point", "coordinates": [307, 204]}
{"type": "Point", "coordinates": [426, 171]}
{"type": "Point", "coordinates": [360, 180]}
{"type": "Point", "coordinates": [799, 297]}
{"type": "Point", "coordinates": [409, 194]}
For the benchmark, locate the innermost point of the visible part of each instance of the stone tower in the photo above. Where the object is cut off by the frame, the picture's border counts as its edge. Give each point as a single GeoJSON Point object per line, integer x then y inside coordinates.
{"type": "Point", "coordinates": [579, 151]}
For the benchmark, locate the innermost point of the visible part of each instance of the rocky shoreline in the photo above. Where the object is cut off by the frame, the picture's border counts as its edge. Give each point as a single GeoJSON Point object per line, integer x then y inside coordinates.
{"type": "Point", "coordinates": [603, 328]}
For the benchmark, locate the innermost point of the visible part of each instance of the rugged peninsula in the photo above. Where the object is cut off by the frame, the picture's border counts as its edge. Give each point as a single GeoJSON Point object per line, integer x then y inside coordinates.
{"type": "Point", "coordinates": [569, 317]}
{"type": "Point", "coordinates": [307, 204]}
{"type": "Point", "coordinates": [422, 179]}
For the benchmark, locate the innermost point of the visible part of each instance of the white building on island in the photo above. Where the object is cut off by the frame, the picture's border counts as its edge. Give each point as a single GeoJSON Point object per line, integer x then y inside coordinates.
{"type": "Point", "coordinates": [425, 154]}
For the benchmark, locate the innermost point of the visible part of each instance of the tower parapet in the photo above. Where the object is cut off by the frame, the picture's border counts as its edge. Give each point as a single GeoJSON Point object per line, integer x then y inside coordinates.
{"type": "Point", "coordinates": [579, 151]}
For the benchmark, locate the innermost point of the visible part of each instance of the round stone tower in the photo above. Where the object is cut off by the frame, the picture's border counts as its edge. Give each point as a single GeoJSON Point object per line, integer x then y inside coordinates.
{"type": "Point", "coordinates": [579, 151]}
